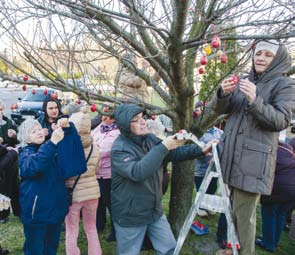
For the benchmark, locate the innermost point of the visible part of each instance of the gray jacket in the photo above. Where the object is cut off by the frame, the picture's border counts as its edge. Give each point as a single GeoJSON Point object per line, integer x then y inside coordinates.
{"type": "Point", "coordinates": [249, 144]}
{"type": "Point", "coordinates": [136, 163]}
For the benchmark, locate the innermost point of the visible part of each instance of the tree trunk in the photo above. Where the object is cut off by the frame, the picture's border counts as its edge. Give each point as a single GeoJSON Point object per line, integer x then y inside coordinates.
{"type": "Point", "coordinates": [182, 184]}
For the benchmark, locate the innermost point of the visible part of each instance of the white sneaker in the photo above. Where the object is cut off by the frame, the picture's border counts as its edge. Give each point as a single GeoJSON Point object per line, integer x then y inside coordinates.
{"type": "Point", "coordinates": [202, 213]}
{"type": "Point", "coordinates": [210, 212]}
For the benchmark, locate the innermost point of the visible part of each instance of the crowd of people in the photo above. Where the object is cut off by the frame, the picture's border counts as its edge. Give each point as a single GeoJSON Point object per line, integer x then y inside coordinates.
{"type": "Point", "coordinates": [72, 166]}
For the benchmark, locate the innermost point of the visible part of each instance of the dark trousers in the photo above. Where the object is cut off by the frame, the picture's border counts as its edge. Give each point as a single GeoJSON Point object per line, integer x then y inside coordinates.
{"type": "Point", "coordinates": [104, 204]}
{"type": "Point", "coordinates": [273, 219]}
{"type": "Point", "coordinates": [212, 186]}
{"type": "Point", "coordinates": [41, 239]}
{"type": "Point", "coordinates": [221, 233]}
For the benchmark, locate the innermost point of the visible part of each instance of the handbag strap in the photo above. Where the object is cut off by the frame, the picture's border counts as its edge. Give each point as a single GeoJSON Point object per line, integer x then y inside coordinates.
{"type": "Point", "coordinates": [76, 181]}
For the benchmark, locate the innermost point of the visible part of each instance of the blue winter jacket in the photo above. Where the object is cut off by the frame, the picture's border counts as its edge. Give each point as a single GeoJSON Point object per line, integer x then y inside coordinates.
{"type": "Point", "coordinates": [43, 194]}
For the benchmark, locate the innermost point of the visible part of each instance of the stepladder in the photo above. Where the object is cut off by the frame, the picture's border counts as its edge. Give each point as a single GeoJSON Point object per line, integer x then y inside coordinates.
{"type": "Point", "coordinates": [218, 203]}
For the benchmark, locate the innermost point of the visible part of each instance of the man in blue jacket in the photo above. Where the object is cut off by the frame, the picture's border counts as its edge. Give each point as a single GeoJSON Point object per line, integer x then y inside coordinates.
{"type": "Point", "coordinates": [136, 190]}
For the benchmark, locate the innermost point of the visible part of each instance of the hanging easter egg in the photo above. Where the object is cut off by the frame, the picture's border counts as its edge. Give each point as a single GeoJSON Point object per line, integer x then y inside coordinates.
{"type": "Point", "coordinates": [235, 79]}
{"type": "Point", "coordinates": [223, 58]}
{"type": "Point", "coordinates": [201, 70]}
{"type": "Point", "coordinates": [24, 87]}
{"type": "Point", "coordinates": [26, 77]}
{"type": "Point", "coordinates": [54, 96]}
{"type": "Point", "coordinates": [207, 49]}
{"type": "Point", "coordinates": [93, 107]}
{"type": "Point", "coordinates": [33, 91]}
{"type": "Point", "coordinates": [216, 42]}
{"type": "Point", "coordinates": [203, 60]}
{"type": "Point", "coordinates": [45, 92]}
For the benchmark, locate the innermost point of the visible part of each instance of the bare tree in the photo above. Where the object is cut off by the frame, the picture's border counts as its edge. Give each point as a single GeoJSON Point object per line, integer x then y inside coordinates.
{"type": "Point", "coordinates": [61, 37]}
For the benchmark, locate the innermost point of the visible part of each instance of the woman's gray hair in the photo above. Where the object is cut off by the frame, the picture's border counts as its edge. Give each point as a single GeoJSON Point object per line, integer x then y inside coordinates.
{"type": "Point", "coordinates": [25, 129]}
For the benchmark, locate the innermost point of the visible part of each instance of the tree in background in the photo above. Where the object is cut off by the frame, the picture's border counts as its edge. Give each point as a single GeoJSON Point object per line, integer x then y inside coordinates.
{"type": "Point", "coordinates": [60, 38]}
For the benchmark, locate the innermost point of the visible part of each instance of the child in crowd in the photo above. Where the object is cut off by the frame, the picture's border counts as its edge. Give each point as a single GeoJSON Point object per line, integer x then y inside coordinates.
{"type": "Point", "coordinates": [86, 192]}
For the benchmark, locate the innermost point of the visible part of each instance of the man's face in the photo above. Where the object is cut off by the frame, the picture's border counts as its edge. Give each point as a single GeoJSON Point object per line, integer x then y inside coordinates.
{"type": "Point", "coordinates": [138, 125]}
{"type": "Point", "coordinates": [52, 111]}
{"type": "Point", "coordinates": [36, 135]}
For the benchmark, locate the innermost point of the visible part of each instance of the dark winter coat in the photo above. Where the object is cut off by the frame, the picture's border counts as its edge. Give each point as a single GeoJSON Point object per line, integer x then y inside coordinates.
{"type": "Point", "coordinates": [284, 183]}
{"type": "Point", "coordinates": [136, 162]}
{"type": "Point", "coordinates": [248, 146]}
{"type": "Point", "coordinates": [9, 179]}
{"type": "Point", "coordinates": [4, 132]}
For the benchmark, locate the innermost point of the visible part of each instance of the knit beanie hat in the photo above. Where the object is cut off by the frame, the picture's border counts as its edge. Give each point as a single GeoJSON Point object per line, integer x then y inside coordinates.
{"type": "Point", "coordinates": [71, 108]}
{"type": "Point", "coordinates": [25, 129]}
{"type": "Point", "coordinates": [271, 45]}
{"type": "Point", "coordinates": [82, 121]}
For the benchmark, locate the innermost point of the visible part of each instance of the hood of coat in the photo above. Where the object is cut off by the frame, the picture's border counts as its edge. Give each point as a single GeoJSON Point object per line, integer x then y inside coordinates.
{"type": "Point", "coordinates": [123, 116]}
{"type": "Point", "coordinates": [280, 65]}
{"type": "Point", "coordinates": [82, 122]}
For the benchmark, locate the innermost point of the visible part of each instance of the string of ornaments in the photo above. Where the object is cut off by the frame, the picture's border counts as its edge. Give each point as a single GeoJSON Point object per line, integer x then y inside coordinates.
{"type": "Point", "coordinates": [215, 43]}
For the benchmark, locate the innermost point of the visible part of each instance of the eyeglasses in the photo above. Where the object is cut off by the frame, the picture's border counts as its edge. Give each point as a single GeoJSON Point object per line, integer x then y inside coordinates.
{"type": "Point", "coordinates": [139, 119]}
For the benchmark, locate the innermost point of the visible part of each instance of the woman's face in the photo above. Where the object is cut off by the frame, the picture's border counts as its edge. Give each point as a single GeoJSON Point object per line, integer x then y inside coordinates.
{"type": "Point", "coordinates": [262, 60]}
{"type": "Point", "coordinates": [36, 135]}
{"type": "Point", "coordinates": [52, 111]}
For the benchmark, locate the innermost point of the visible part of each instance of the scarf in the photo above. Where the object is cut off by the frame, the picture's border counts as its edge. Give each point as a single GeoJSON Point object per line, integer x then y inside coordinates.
{"type": "Point", "coordinates": [107, 128]}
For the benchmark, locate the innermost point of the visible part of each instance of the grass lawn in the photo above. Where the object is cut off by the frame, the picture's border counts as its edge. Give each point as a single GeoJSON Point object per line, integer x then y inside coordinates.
{"type": "Point", "coordinates": [11, 237]}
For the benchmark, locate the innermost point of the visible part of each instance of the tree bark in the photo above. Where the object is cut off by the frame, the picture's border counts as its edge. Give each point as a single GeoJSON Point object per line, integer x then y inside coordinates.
{"type": "Point", "coordinates": [182, 184]}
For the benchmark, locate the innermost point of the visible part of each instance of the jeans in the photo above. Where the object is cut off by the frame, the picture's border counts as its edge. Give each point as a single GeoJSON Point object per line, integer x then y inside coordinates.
{"type": "Point", "coordinates": [72, 227]}
{"type": "Point", "coordinates": [41, 238]}
{"type": "Point", "coordinates": [273, 220]}
{"type": "Point", "coordinates": [130, 239]}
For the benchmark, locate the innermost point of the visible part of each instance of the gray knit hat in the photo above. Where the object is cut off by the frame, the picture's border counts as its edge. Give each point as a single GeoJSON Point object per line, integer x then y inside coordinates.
{"type": "Point", "coordinates": [271, 45]}
{"type": "Point", "coordinates": [25, 129]}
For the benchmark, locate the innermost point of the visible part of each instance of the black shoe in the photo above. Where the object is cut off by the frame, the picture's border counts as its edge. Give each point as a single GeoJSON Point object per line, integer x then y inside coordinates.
{"type": "Point", "coordinates": [111, 238]}
{"type": "Point", "coordinates": [3, 221]}
{"type": "Point", "coordinates": [286, 228]}
{"type": "Point", "coordinates": [5, 252]}
{"type": "Point", "coordinates": [259, 242]}
{"type": "Point", "coordinates": [222, 244]}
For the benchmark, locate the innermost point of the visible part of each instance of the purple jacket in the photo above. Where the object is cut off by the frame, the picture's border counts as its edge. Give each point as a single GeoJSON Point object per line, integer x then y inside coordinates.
{"type": "Point", "coordinates": [284, 183]}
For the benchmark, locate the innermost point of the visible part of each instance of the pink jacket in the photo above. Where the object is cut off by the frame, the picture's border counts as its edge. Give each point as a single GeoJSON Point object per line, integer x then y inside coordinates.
{"type": "Point", "coordinates": [104, 142]}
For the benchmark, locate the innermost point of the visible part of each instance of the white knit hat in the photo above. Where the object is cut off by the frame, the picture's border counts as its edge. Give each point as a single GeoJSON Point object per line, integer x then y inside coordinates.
{"type": "Point", "coordinates": [271, 45]}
